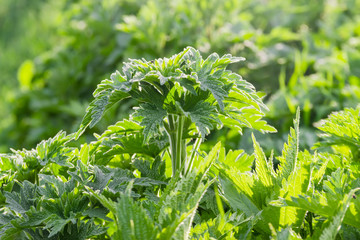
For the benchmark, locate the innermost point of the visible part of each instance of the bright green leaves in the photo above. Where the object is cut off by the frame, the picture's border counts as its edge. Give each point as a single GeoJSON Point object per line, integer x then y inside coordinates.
{"type": "Point", "coordinates": [253, 192]}
{"type": "Point", "coordinates": [209, 77]}
{"type": "Point", "coordinates": [49, 155]}
{"type": "Point", "coordinates": [22, 201]}
{"type": "Point", "coordinates": [342, 129]}
{"type": "Point", "coordinates": [263, 168]}
{"type": "Point", "coordinates": [176, 93]}
{"type": "Point", "coordinates": [118, 185]}
{"type": "Point", "coordinates": [335, 190]}
{"type": "Point", "coordinates": [323, 205]}
{"type": "Point", "coordinates": [173, 215]}
{"type": "Point", "coordinates": [152, 81]}
{"type": "Point", "coordinates": [126, 138]}
{"type": "Point", "coordinates": [344, 124]}
{"type": "Point", "coordinates": [230, 226]}
{"type": "Point", "coordinates": [290, 151]}
{"type": "Point", "coordinates": [132, 220]}
{"type": "Point", "coordinates": [333, 225]}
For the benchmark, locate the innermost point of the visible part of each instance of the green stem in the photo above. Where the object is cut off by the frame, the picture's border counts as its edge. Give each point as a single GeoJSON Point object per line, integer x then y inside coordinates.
{"type": "Point", "coordinates": [180, 156]}
{"type": "Point", "coordinates": [172, 140]}
{"type": "Point", "coordinates": [190, 162]}
{"type": "Point", "coordinates": [175, 129]}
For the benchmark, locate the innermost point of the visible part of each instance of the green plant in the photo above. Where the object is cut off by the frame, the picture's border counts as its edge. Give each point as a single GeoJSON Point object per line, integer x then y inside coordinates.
{"type": "Point", "coordinates": [306, 195]}
{"type": "Point", "coordinates": [148, 177]}
{"type": "Point", "coordinates": [185, 96]}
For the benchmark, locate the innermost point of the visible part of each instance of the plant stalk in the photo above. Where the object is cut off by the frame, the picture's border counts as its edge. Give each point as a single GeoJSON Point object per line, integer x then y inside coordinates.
{"type": "Point", "coordinates": [175, 130]}
{"type": "Point", "coordinates": [190, 162]}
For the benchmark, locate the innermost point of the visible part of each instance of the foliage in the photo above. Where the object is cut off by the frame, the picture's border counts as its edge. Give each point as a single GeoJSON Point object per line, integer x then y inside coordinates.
{"type": "Point", "coordinates": [157, 173]}
{"type": "Point", "coordinates": [309, 51]}
{"type": "Point", "coordinates": [178, 92]}
{"type": "Point", "coordinates": [294, 197]}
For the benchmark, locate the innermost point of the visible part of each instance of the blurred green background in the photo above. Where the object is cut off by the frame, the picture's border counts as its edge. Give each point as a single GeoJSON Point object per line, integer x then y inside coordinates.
{"type": "Point", "coordinates": [53, 54]}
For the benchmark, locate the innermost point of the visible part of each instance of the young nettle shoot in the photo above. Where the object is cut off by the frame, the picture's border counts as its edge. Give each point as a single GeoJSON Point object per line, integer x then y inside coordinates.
{"type": "Point", "coordinates": [185, 96]}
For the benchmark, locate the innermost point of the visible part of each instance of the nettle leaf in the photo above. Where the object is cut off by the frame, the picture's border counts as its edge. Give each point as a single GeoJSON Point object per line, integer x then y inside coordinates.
{"type": "Point", "coordinates": [178, 206]}
{"type": "Point", "coordinates": [285, 234]}
{"type": "Point", "coordinates": [152, 118]}
{"type": "Point", "coordinates": [9, 233]}
{"type": "Point", "coordinates": [35, 218]}
{"type": "Point", "coordinates": [26, 163]}
{"type": "Point", "coordinates": [254, 191]}
{"type": "Point", "coordinates": [179, 201]}
{"type": "Point", "coordinates": [290, 151]}
{"type": "Point", "coordinates": [101, 178]}
{"type": "Point", "coordinates": [55, 150]}
{"type": "Point", "coordinates": [210, 76]}
{"type": "Point", "coordinates": [239, 115]}
{"type": "Point", "coordinates": [154, 170]}
{"type": "Point", "coordinates": [342, 124]}
{"type": "Point", "coordinates": [324, 205]}
{"type": "Point", "coordinates": [20, 202]}
{"type": "Point", "coordinates": [55, 224]}
{"type": "Point", "coordinates": [221, 227]}
{"type": "Point", "coordinates": [104, 99]}
{"type": "Point", "coordinates": [263, 169]}
{"type": "Point", "coordinates": [333, 225]}
{"type": "Point", "coordinates": [98, 212]}
{"type": "Point", "coordinates": [54, 186]}
{"type": "Point", "coordinates": [202, 114]}
{"type": "Point", "coordinates": [133, 222]}
{"type": "Point", "coordinates": [341, 128]}
{"type": "Point", "coordinates": [47, 149]}
{"type": "Point", "coordinates": [132, 143]}
{"type": "Point", "coordinates": [237, 159]}
{"type": "Point", "coordinates": [122, 127]}
{"type": "Point", "coordinates": [238, 194]}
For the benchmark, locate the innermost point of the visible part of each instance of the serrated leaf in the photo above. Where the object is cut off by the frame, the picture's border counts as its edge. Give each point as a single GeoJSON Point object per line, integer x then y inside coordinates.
{"type": "Point", "coordinates": [334, 223]}
{"type": "Point", "coordinates": [261, 165]}
{"type": "Point", "coordinates": [132, 220]}
{"type": "Point", "coordinates": [342, 129]}
{"type": "Point", "coordinates": [35, 218]}
{"type": "Point", "coordinates": [101, 179]}
{"type": "Point", "coordinates": [237, 199]}
{"type": "Point", "coordinates": [22, 201]}
{"type": "Point", "coordinates": [131, 144]}
{"type": "Point", "coordinates": [122, 127]}
{"type": "Point", "coordinates": [98, 213]}
{"type": "Point", "coordinates": [152, 118]}
{"type": "Point", "coordinates": [290, 151]}
{"type": "Point", "coordinates": [108, 203]}
{"type": "Point", "coordinates": [202, 114]}
{"type": "Point", "coordinates": [55, 224]}
{"type": "Point", "coordinates": [102, 102]}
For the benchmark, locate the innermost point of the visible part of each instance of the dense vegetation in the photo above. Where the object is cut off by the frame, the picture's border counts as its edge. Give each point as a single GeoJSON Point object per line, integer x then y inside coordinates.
{"type": "Point", "coordinates": [183, 147]}
{"type": "Point", "coordinates": [301, 53]}
{"type": "Point", "coordinates": [146, 177]}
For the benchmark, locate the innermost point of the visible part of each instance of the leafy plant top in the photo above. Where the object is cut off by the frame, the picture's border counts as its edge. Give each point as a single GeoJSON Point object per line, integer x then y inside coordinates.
{"type": "Point", "coordinates": [185, 95]}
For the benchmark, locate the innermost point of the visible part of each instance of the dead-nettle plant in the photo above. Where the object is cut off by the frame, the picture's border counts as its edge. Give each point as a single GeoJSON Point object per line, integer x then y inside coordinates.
{"type": "Point", "coordinates": [184, 96]}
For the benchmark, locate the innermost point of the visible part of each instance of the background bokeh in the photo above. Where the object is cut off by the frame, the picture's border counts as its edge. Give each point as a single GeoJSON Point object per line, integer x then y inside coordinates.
{"type": "Point", "coordinates": [53, 54]}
